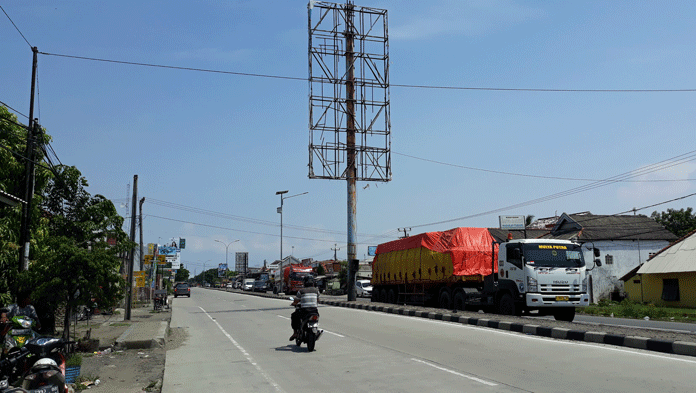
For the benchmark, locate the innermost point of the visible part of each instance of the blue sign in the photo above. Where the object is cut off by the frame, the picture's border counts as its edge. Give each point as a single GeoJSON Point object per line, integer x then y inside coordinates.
{"type": "Point", "coordinates": [371, 250]}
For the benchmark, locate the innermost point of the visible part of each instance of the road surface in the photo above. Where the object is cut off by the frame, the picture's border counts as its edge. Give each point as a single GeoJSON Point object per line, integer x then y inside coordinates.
{"type": "Point", "coordinates": [238, 342]}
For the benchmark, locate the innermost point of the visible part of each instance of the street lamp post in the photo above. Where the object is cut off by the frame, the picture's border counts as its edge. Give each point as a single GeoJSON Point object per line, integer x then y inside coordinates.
{"type": "Point", "coordinates": [280, 210]}
{"type": "Point", "coordinates": [227, 245]}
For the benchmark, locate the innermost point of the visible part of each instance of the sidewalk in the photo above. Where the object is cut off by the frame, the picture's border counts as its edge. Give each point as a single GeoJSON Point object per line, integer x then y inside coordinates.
{"type": "Point", "coordinates": [145, 329]}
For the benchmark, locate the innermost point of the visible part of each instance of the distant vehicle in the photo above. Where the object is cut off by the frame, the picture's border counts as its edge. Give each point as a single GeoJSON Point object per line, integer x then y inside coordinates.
{"type": "Point", "coordinates": [229, 285]}
{"type": "Point", "coordinates": [363, 288]}
{"type": "Point", "coordinates": [248, 284]}
{"type": "Point", "coordinates": [207, 285]}
{"type": "Point", "coordinates": [262, 286]}
{"type": "Point", "coordinates": [182, 289]}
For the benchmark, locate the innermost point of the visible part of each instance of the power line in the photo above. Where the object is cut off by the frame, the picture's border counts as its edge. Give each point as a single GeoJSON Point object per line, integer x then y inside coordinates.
{"type": "Point", "coordinates": [391, 85]}
{"type": "Point", "coordinates": [240, 218]}
{"type": "Point", "coordinates": [14, 110]}
{"type": "Point", "coordinates": [240, 230]}
{"type": "Point", "coordinates": [677, 160]}
{"type": "Point", "coordinates": [528, 175]}
{"type": "Point", "coordinates": [15, 26]}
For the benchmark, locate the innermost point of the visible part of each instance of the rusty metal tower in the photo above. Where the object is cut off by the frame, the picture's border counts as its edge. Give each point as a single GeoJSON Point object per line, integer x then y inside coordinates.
{"type": "Point", "coordinates": [349, 123]}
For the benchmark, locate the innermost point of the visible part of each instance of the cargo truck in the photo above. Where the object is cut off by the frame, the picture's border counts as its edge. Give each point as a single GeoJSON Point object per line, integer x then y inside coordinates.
{"type": "Point", "coordinates": [466, 269]}
{"type": "Point", "coordinates": [293, 277]}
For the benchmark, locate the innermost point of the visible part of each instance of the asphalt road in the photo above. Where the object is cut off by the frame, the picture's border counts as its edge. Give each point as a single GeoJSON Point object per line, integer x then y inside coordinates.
{"type": "Point", "coordinates": [238, 342]}
{"type": "Point", "coordinates": [681, 327]}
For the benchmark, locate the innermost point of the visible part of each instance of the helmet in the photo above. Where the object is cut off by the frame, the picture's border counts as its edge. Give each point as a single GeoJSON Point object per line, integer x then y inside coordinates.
{"type": "Point", "coordinates": [309, 281]}
{"type": "Point", "coordinates": [44, 363]}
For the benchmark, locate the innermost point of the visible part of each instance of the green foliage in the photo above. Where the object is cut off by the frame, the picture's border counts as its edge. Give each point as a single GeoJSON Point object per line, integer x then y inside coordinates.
{"type": "Point", "coordinates": [182, 275]}
{"type": "Point", "coordinates": [74, 360]}
{"type": "Point", "coordinates": [74, 261]}
{"type": "Point", "coordinates": [679, 222]}
{"type": "Point", "coordinates": [320, 270]}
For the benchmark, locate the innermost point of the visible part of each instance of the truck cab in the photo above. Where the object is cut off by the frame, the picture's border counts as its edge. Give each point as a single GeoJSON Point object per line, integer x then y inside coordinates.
{"type": "Point", "coordinates": [542, 274]}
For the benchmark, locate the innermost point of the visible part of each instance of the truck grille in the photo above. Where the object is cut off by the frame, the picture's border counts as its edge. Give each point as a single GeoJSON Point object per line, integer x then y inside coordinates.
{"type": "Point", "coordinates": [554, 288]}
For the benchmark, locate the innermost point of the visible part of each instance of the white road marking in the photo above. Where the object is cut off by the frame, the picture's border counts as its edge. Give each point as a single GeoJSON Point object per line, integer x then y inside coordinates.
{"type": "Point", "coordinates": [455, 372]}
{"type": "Point", "coordinates": [246, 354]}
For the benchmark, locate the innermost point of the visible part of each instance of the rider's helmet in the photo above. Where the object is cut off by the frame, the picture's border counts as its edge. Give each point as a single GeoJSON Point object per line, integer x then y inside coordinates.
{"type": "Point", "coordinates": [309, 281]}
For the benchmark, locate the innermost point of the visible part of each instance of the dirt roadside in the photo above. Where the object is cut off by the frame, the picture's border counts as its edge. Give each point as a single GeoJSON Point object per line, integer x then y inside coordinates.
{"type": "Point", "coordinates": [110, 369]}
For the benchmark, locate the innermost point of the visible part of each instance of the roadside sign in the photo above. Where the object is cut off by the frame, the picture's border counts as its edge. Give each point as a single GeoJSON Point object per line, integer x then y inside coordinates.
{"type": "Point", "coordinates": [511, 222]}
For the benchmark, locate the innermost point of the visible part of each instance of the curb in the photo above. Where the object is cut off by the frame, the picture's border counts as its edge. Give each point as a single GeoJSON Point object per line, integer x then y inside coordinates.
{"type": "Point", "coordinates": [649, 344]}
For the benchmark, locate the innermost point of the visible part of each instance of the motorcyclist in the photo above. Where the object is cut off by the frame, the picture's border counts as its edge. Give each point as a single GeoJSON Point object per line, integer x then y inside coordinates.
{"type": "Point", "coordinates": [24, 307]}
{"type": "Point", "coordinates": [307, 298]}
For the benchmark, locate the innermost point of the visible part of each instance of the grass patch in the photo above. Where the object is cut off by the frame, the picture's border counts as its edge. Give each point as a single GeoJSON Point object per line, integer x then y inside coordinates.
{"type": "Point", "coordinates": [120, 324]}
{"type": "Point", "coordinates": [635, 310]}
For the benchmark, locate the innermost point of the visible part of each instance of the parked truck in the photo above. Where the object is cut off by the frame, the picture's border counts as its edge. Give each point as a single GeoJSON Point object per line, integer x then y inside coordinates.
{"type": "Point", "coordinates": [466, 269]}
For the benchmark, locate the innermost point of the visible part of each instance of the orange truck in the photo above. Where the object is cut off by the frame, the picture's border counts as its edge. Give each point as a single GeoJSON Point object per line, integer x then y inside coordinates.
{"type": "Point", "coordinates": [466, 268]}
{"type": "Point", "coordinates": [293, 277]}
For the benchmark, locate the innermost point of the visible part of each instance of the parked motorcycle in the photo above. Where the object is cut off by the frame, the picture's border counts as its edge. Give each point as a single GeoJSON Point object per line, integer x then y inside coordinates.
{"type": "Point", "coordinates": [47, 364]}
{"type": "Point", "coordinates": [20, 333]}
{"type": "Point", "coordinates": [309, 330]}
{"type": "Point", "coordinates": [46, 367]}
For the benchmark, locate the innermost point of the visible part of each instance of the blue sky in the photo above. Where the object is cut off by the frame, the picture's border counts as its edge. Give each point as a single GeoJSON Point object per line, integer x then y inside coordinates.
{"type": "Point", "coordinates": [218, 146]}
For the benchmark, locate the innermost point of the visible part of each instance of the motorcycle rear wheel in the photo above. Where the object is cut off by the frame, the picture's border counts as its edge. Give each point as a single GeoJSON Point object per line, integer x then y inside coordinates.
{"type": "Point", "coordinates": [311, 340]}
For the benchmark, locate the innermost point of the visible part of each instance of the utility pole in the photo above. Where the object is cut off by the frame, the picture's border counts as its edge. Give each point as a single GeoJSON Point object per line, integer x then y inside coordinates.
{"type": "Point", "coordinates": [351, 170]}
{"type": "Point", "coordinates": [25, 226]}
{"type": "Point", "coordinates": [334, 250]}
{"type": "Point", "coordinates": [141, 232]}
{"type": "Point", "coordinates": [129, 282]}
{"type": "Point", "coordinates": [405, 234]}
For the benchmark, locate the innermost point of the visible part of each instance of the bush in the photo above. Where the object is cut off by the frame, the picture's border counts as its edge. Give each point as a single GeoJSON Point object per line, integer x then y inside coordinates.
{"type": "Point", "coordinates": [74, 360]}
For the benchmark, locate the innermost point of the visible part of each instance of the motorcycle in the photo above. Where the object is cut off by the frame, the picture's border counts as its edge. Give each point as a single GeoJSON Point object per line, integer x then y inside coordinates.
{"type": "Point", "coordinates": [46, 367]}
{"type": "Point", "coordinates": [309, 330]}
{"type": "Point", "coordinates": [20, 333]}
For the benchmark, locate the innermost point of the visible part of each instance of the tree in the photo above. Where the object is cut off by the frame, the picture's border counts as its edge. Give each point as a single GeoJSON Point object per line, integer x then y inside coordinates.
{"type": "Point", "coordinates": [182, 274]}
{"type": "Point", "coordinates": [13, 142]}
{"type": "Point", "coordinates": [679, 222]}
{"type": "Point", "coordinates": [77, 256]}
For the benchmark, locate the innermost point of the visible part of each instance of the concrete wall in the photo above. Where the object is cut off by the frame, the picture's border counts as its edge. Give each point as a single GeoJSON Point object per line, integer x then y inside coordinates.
{"type": "Point", "coordinates": [649, 289]}
{"type": "Point", "coordinates": [626, 255]}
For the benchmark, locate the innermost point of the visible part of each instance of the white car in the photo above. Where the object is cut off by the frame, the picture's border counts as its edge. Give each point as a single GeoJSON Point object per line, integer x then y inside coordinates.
{"type": "Point", "coordinates": [363, 288]}
{"type": "Point", "coordinates": [248, 284]}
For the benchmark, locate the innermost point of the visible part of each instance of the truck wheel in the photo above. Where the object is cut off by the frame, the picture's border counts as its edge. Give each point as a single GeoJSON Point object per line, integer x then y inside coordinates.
{"type": "Point", "coordinates": [459, 302]}
{"type": "Point", "coordinates": [506, 306]}
{"type": "Point", "coordinates": [375, 295]}
{"type": "Point", "coordinates": [445, 300]}
{"type": "Point", "coordinates": [383, 296]}
{"type": "Point", "coordinates": [564, 314]}
{"type": "Point", "coordinates": [391, 296]}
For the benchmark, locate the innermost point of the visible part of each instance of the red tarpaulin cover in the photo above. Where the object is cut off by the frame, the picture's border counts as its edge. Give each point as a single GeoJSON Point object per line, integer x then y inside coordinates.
{"type": "Point", "coordinates": [469, 248]}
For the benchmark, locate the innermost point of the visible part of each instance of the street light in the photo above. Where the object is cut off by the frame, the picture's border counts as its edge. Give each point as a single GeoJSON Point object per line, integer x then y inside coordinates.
{"type": "Point", "coordinates": [227, 245]}
{"type": "Point", "coordinates": [280, 210]}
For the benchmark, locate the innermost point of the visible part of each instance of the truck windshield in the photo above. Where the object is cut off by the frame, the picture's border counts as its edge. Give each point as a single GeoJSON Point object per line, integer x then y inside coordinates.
{"type": "Point", "coordinates": [298, 276]}
{"type": "Point", "coordinates": [553, 255]}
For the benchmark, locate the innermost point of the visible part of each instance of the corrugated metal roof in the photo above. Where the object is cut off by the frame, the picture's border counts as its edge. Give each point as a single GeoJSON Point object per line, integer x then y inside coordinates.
{"type": "Point", "coordinates": [590, 227]}
{"type": "Point", "coordinates": [680, 257]}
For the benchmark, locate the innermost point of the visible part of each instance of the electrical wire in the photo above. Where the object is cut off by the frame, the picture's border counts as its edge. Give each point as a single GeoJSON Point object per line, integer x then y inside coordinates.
{"type": "Point", "coordinates": [528, 175]}
{"type": "Point", "coordinates": [240, 218]}
{"type": "Point", "coordinates": [14, 110]}
{"type": "Point", "coordinates": [392, 85]}
{"type": "Point", "coordinates": [242, 231]}
{"type": "Point", "coordinates": [15, 26]}
{"type": "Point", "coordinates": [677, 160]}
